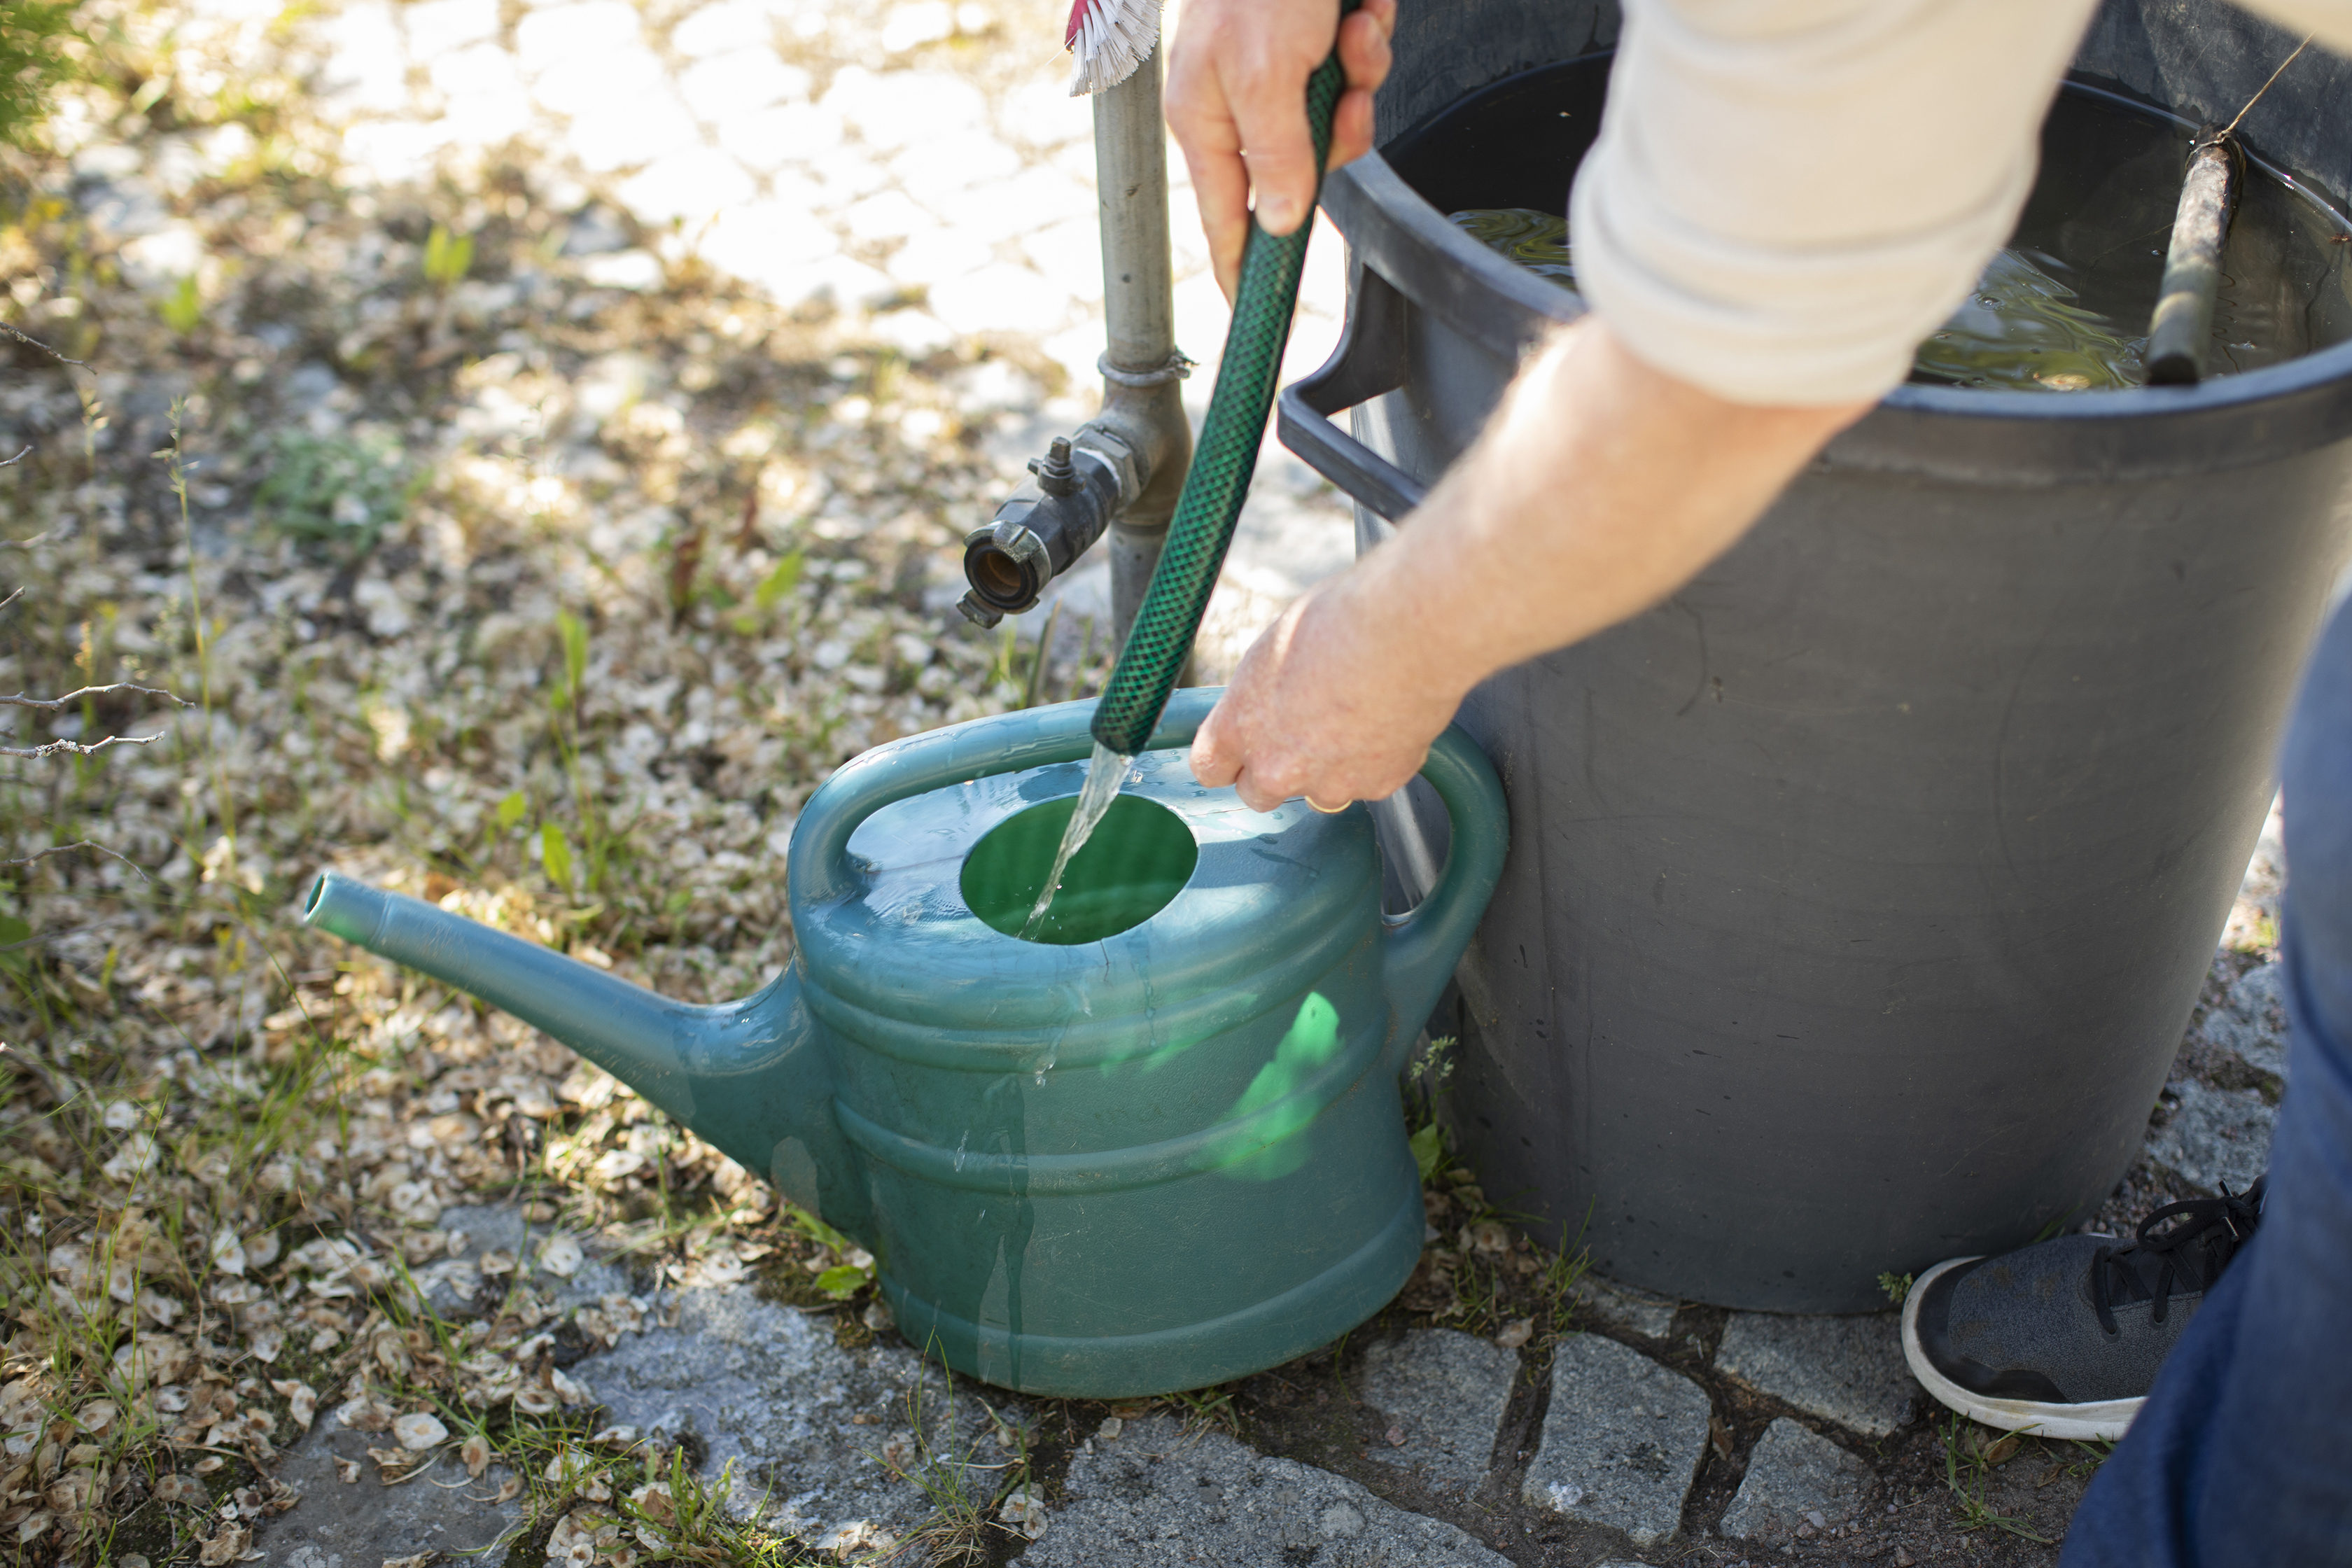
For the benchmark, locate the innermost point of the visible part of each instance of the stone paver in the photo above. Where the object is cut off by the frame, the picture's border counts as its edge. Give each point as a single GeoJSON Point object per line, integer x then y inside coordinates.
{"type": "Point", "coordinates": [453, 1286]}
{"type": "Point", "coordinates": [1622, 1307]}
{"type": "Point", "coordinates": [1846, 1370]}
{"type": "Point", "coordinates": [1155, 1495]}
{"type": "Point", "coordinates": [2251, 1021]}
{"type": "Point", "coordinates": [362, 1523]}
{"type": "Point", "coordinates": [1445, 1392]}
{"type": "Point", "coordinates": [1622, 1442]}
{"type": "Point", "coordinates": [1795, 1477]}
{"type": "Point", "coordinates": [815, 1428]}
{"type": "Point", "coordinates": [2216, 1136]}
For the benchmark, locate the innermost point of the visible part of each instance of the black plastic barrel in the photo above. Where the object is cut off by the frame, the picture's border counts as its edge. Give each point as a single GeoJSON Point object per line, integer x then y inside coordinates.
{"type": "Point", "coordinates": [1859, 893]}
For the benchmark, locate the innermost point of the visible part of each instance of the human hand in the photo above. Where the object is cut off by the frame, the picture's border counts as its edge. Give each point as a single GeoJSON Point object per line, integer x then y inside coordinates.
{"type": "Point", "coordinates": [1237, 102]}
{"type": "Point", "coordinates": [1329, 703]}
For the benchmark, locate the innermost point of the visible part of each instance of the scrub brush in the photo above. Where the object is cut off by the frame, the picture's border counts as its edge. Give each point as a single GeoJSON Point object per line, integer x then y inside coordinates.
{"type": "Point", "coordinates": [1108, 40]}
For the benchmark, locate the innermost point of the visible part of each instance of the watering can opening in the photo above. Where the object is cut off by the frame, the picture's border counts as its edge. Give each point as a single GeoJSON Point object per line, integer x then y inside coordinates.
{"type": "Point", "coordinates": [1139, 859]}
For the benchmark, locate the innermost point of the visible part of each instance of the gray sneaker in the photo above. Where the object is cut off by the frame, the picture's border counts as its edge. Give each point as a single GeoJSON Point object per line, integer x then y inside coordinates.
{"type": "Point", "coordinates": [2063, 1338]}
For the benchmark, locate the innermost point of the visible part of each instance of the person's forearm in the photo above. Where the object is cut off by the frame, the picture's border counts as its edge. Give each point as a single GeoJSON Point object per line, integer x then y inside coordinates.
{"type": "Point", "coordinates": [1600, 487]}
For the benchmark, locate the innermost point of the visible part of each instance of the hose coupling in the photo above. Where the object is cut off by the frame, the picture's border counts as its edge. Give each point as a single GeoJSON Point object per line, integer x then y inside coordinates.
{"type": "Point", "coordinates": [1077, 488]}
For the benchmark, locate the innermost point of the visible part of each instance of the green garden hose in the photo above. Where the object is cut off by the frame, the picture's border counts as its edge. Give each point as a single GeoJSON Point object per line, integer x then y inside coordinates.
{"type": "Point", "coordinates": [1219, 479]}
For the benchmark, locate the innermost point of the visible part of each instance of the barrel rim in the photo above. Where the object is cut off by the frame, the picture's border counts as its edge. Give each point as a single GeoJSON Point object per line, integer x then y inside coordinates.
{"type": "Point", "coordinates": [1960, 433]}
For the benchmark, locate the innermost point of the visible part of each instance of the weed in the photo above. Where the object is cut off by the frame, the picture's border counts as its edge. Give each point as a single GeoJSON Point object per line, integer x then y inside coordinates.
{"type": "Point", "coordinates": [1038, 665]}
{"type": "Point", "coordinates": [339, 489]}
{"type": "Point", "coordinates": [183, 310]}
{"type": "Point", "coordinates": [854, 1269]}
{"type": "Point", "coordinates": [945, 1465]}
{"type": "Point", "coordinates": [1976, 1460]}
{"type": "Point", "coordinates": [41, 48]}
{"type": "Point", "coordinates": [448, 257]}
{"type": "Point", "coordinates": [1895, 1286]}
{"type": "Point", "coordinates": [780, 582]}
{"type": "Point", "coordinates": [1203, 1408]}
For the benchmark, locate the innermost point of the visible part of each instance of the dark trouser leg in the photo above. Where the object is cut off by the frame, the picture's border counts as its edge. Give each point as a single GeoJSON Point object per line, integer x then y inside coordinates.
{"type": "Point", "coordinates": [2244, 1452]}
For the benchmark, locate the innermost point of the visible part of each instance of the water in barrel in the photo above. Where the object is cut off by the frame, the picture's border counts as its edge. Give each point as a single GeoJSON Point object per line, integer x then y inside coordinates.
{"type": "Point", "coordinates": [2064, 306]}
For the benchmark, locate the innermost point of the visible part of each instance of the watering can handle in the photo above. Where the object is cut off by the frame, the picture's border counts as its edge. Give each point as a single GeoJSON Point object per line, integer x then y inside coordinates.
{"type": "Point", "coordinates": [817, 865]}
{"type": "Point", "coordinates": [1420, 949]}
{"type": "Point", "coordinates": [1423, 946]}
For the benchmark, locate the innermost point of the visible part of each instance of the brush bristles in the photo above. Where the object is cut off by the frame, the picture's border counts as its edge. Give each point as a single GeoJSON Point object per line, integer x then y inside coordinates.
{"type": "Point", "coordinates": [1109, 40]}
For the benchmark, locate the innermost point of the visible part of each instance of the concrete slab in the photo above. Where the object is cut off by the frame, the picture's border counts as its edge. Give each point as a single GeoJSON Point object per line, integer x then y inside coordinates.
{"type": "Point", "coordinates": [825, 1435]}
{"type": "Point", "coordinates": [1156, 1497]}
{"type": "Point", "coordinates": [1846, 1370]}
{"type": "Point", "coordinates": [1622, 1442]}
{"type": "Point", "coordinates": [363, 1523]}
{"type": "Point", "coordinates": [456, 1286]}
{"type": "Point", "coordinates": [1443, 1392]}
{"type": "Point", "coordinates": [1796, 1477]}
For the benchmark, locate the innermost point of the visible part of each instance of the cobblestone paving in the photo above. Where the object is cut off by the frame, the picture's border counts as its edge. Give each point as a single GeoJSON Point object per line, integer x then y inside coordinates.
{"type": "Point", "coordinates": [1698, 1437]}
{"type": "Point", "coordinates": [921, 163]}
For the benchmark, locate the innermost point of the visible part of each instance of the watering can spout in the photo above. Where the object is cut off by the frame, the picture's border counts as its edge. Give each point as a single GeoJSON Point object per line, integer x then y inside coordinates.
{"type": "Point", "coordinates": [747, 1077]}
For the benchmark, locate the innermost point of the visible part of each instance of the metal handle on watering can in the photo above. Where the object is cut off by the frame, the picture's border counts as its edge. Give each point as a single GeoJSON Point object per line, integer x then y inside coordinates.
{"type": "Point", "coordinates": [1423, 946]}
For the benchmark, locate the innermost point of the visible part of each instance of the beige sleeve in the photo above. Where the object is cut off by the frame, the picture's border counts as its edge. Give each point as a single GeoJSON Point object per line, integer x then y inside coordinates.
{"type": "Point", "coordinates": [1788, 195]}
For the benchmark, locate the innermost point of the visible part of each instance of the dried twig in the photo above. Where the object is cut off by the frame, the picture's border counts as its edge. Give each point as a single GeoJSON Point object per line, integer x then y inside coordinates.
{"type": "Point", "coordinates": [38, 344]}
{"type": "Point", "coordinates": [23, 543]}
{"type": "Point", "coordinates": [76, 749]}
{"type": "Point", "coordinates": [83, 844]}
{"type": "Point", "coordinates": [56, 704]}
{"type": "Point", "coordinates": [18, 459]}
{"type": "Point", "coordinates": [12, 598]}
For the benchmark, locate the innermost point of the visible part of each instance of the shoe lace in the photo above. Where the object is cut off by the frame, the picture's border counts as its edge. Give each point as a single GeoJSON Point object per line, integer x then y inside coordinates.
{"type": "Point", "coordinates": [2222, 1224]}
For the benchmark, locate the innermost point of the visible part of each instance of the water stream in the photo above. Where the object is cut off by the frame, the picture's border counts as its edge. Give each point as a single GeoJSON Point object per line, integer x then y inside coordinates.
{"type": "Point", "coordinates": [1104, 773]}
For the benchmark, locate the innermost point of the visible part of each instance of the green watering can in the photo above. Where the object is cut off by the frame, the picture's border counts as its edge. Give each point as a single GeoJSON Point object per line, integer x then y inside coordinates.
{"type": "Point", "coordinates": [1157, 1147]}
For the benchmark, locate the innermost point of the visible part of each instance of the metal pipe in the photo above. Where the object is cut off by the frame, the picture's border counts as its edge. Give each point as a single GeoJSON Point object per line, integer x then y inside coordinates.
{"type": "Point", "coordinates": [2182, 326]}
{"type": "Point", "coordinates": [1142, 373]}
{"type": "Point", "coordinates": [1140, 444]}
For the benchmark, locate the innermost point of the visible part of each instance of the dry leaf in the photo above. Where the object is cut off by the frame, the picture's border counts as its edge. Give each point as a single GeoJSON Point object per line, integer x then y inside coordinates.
{"type": "Point", "coordinates": [561, 1256]}
{"type": "Point", "coordinates": [228, 1253]}
{"type": "Point", "coordinates": [1515, 1332]}
{"type": "Point", "coordinates": [419, 1560]}
{"type": "Point", "coordinates": [227, 1546]}
{"type": "Point", "coordinates": [347, 1470]}
{"type": "Point", "coordinates": [301, 1401]}
{"type": "Point", "coordinates": [419, 1431]}
{"type": "Point", "coordinates": [180, 1488]}
{"type": "Point", "coordinates": [1024, 1512]}
{"type": "Point", "coordinates": [476, 1453]}
{"type": "Point", "coordinates": [508, 1489]}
